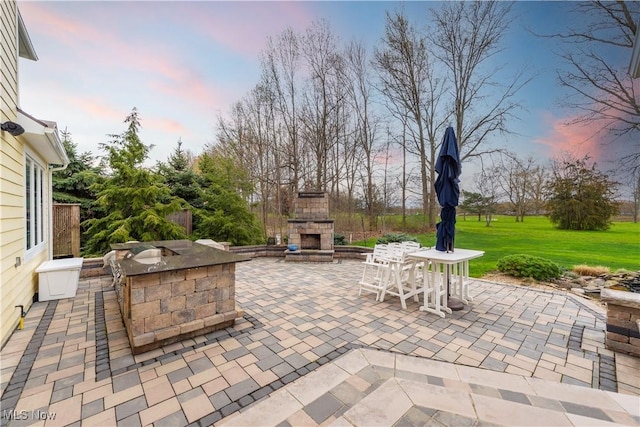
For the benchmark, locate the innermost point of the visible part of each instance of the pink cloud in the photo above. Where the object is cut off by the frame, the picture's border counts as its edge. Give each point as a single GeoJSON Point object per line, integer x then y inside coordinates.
{"type": "Point", "coordinates": [577, 139]}
{"type": "Point", "coordinates": [166, 125]}
{"type": "Point", "coordinates": [100, 110]}
{"type": "Point", "coordinates": [392, 158]}
{"type": "Point", "coordinates": [39, 18]}
{"type": "Point", "coordinates": [248, 35]}
{"type": "Point", "coordinates": [162, 69]}
{"type": "Point", "coordinates": [192, 89]}
{"type": "Point", "coordinates": [96, 108]}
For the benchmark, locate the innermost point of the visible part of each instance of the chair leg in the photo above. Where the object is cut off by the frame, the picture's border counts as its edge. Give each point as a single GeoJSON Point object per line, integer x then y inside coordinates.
{"type": "Point", "coordinates": [385, 277]}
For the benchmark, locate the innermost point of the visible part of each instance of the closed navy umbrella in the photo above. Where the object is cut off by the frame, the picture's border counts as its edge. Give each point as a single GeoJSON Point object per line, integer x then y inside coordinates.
{"type": "Point", "coordinates": [447, 190]}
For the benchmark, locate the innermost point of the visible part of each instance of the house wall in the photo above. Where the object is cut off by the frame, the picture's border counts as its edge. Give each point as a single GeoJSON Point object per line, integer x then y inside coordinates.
{"type": "Point", "coordinates": [18, 284]}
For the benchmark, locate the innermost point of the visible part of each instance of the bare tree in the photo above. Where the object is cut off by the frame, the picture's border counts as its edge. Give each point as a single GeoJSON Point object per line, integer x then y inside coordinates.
{"type": "Point", "coordinates": [320, 52]}
{"type": "Point", "coordinates": [343, 145]}
{"type": "Point", "coordinates": [230, 136]}
{"type": "Point", "coordinates": [361, 98]}
{"type": "Point", "coordinates": [282, 63]}
{"type": "Point", "coordinates": [635, 194]}
{"type": "Point", "coordinates": [517, 179]}
{"type": "Point", "coordinates": [389, 183]}
{"type": "Point", "coordinates": [404, 178]}
{"type": "Point", "coordinates": [538, 190]}
{"type": "Point", "coordinates": [488, 184]}
{"type": "Point", "coordinates": [603, 91]}
{"type": "Point", "coordinates": [468, 36]}
{"type": "Point", "coordinates": [408, 83]}
{"type": "Point", "coordinates": [258, 109]}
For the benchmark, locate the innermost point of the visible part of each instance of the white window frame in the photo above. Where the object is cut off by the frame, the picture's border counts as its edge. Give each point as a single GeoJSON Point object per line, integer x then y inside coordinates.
{"type": "Point", "coordinates": [36, 202]}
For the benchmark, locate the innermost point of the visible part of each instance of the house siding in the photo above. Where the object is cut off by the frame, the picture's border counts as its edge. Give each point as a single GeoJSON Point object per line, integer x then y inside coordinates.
{"type": "Point", "coordinates": [18, 284]}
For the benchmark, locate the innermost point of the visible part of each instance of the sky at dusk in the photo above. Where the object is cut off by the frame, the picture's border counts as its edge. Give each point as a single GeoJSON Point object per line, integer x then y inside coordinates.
{"type": "Point", "coordinates": [184, 63]}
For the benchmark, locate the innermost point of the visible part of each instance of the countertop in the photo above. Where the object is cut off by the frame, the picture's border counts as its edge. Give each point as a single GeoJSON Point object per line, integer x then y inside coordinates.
{"type": "Point", "coordinates": [187, 254]}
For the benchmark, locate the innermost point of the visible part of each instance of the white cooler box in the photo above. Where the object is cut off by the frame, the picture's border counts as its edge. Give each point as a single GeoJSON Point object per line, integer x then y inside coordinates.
{"type": "Point", "coordinates": [59, 278]}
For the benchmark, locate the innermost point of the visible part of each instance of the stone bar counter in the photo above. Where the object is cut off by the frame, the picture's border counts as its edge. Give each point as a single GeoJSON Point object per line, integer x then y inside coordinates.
{"type": "Point", "coordinates": [174, 290]}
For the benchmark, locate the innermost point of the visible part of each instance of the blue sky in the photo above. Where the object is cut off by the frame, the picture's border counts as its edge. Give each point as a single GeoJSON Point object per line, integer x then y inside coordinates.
{"type": "Point", "coordinates": [183, 63]}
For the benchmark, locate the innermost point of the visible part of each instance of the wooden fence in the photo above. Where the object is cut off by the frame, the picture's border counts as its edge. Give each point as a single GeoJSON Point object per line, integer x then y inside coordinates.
{"type": "Point", "coordinates": [66, 230]}
{"type": "Point", "coordinates": [183, 218]}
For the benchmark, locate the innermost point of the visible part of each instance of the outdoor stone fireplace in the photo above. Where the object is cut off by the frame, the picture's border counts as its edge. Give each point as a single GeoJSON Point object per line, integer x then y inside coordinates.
{"type": "Point", "coordinates": [311, 230]}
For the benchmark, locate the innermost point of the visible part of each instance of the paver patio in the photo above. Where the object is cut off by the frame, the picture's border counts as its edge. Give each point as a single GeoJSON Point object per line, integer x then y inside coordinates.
{"type": "Point", "coordinates": [305, 324]}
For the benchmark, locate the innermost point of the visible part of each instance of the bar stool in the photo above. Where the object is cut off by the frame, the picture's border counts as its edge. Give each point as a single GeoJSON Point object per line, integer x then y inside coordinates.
{"type": "Point", "coordinates": [436, 289]}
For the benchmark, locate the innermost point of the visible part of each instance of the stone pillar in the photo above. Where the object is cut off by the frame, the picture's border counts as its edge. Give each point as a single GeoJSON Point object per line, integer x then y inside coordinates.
{"type": "Point", "coordinates": [623, 321]}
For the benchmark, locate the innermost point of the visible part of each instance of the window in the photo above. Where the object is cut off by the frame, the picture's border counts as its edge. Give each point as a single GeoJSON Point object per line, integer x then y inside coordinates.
{"type": "Point", "coordinates": [34, 203]}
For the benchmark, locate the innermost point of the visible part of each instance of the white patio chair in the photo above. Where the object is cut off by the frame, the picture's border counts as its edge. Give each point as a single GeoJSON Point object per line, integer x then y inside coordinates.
{"type": "Point", "coordinates": [376, 271]}
{"type": "Point", "coordinates": [110, 260]}
{"type": "Point", "coordinates": [436, 292]}
{"type": "Point", "coordinates": [459, 282]}
{"type": "Point", "coordinates": [409, 246]}
{"type": "Point", "coordinates": [402, 278]}
{"type": "Point", "coordinates": [117, 277]}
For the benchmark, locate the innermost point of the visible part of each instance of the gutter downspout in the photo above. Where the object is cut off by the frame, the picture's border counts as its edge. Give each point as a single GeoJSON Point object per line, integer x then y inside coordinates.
{"type": "Point", "coordinates": [53, 139]}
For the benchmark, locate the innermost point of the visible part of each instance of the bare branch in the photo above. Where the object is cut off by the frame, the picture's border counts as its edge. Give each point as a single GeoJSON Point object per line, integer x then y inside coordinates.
{"type": "Point", "coordinates": [603, 91]}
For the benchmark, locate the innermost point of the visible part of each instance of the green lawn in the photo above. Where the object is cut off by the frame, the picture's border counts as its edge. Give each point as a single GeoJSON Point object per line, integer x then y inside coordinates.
{"type": "Point", "coordinates": [616, 248]}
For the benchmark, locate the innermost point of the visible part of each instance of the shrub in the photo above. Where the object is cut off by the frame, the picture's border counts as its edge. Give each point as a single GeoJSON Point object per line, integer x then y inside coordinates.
{"type": "Point", "coordinates": [521, 265]}
{"type": "Point", "coordinates": [339, 239]}
{"type": "Point", "coordinates": [572, 275]}
{"type": "Point", "coordinates": [586, 270]}
{"type": "Point", "coordinates": [580, 197]}
{"type": "Point", "coordinates": [396, 238]}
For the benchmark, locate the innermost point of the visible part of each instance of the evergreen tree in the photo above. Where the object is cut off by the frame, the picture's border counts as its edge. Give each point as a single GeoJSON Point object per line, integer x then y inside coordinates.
{"type": "Point", "coordinates": [473, 203]}
{"type": "Point", "coordinates": [181, 179]}
{"type": "Point", "coordinates": [225, 215]}
{"type": "Point", "coordinates": [580, 197]}
{"type": "Point", "coordinates": [73, 184]}
{"type": "Point", "coordinates": [133, 198]}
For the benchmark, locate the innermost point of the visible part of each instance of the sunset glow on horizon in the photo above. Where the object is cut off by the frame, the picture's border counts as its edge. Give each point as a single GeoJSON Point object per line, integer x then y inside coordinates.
{"type": "Point", "coordinates": [182, 64]}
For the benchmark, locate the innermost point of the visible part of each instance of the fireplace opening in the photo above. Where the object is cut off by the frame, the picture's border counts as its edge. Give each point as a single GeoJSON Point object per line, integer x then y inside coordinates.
{"type": "Point", "coordinates": [310, 241]}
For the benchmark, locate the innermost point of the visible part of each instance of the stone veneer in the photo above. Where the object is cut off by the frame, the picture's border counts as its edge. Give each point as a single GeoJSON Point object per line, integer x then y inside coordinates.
{"type": "Point", "coordinates": [301, 230]}
{"type": "Point", "coordinates": [623, 321]}
{"type": "Point", "coordinates": [312, 205]}
{"type": "Point", "coordinates": [312, 230]}
{"type": "Point", "coordinates": [175, 305]}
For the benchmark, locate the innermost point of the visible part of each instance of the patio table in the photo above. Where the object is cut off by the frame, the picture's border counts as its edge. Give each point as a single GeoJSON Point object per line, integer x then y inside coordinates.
{"type": "Point", "coordinates": [444, 273]}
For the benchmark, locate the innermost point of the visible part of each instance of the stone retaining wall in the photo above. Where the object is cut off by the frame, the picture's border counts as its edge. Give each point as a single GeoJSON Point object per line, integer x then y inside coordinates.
{"type": "Point", "coordinates": [623, 321]}
{"type": "Point", "coordinates": [276, 251]}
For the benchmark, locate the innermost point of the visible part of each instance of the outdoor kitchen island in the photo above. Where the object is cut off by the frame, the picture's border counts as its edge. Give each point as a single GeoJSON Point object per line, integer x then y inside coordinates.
{"type": "Point", "coordinates": [174, 290]}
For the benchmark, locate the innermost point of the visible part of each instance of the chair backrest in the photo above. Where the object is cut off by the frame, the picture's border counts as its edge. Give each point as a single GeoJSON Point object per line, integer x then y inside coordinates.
{"type": "Point", "coordinates": [398, 251]}
{"type": "Point", "coordinates": [379, 252]}
{"type": "Point", "coordinates": [395, 251]}
{"type": "Point", "coordinates": [410, 246]}
{"type": "Point", "coordinates": [106, 259]}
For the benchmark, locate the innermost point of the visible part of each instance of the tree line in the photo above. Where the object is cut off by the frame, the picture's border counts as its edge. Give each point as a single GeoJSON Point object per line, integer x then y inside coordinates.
{"type": "Point", "coordinates": [362, 124]}
{"type": "Point", "coordinates": [327, 115]}
{"type": "Point", "coordinates": [573, 192]}
{"type": "Point", "coordinates": [365, 124]}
